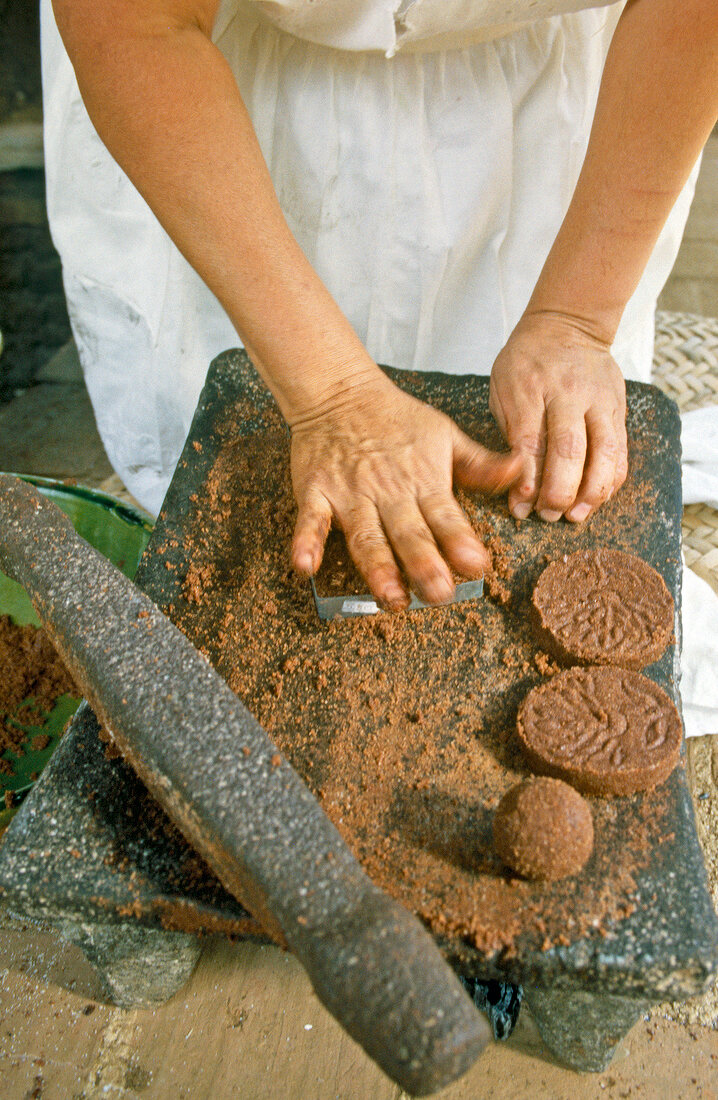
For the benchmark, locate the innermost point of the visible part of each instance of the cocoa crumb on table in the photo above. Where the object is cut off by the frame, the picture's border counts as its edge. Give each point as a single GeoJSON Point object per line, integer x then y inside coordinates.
{"type": "Point", "coordinates": [546, 664]}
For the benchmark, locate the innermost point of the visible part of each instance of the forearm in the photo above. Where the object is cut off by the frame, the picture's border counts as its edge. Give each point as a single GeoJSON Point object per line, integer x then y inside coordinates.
{"type": "Point", "coordinates": [166, 104]}
{"type": "Point", "coordinates": [656, 106]}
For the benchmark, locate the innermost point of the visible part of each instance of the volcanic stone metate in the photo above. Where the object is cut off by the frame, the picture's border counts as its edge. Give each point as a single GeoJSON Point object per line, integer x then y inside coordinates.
{"type": "Point", "coordinates": [636, 924]}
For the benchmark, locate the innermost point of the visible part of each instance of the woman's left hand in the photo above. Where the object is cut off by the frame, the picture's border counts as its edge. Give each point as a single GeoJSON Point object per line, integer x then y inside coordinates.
{"type": "Point", "coordinates": [560, 400]}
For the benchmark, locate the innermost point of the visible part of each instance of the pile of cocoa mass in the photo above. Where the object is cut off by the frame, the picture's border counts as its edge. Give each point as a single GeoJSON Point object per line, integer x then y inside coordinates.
{"type": "Point", "coordinates": [404, 725]}
{"type": "Point", "coordinates": [33, 678]}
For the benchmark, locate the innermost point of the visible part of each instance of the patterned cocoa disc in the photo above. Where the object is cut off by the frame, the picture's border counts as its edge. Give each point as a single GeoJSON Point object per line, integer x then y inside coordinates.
{"type": "Point", "coordinates": [608, 731]}
{"type": "Point", "coordinates": [603, 607]}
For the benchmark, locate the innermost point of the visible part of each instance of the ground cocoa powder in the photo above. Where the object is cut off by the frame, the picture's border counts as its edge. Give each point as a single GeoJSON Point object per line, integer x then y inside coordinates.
{"type": "Point", "coordinates": [33, 678]}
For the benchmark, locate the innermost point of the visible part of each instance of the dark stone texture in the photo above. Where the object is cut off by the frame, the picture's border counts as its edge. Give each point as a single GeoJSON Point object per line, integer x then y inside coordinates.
{"type": "Point", "coordinates": [139, 967]}
{"type": "Point", "coordinates": [142, 872]}
{"type": "Point", "coordinates": [583, 1029]}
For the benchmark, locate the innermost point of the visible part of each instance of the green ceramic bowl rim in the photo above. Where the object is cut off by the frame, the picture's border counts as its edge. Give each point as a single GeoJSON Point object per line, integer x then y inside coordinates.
{"type": "Point", "coordinates": [120, 509]}
{"type": "Point", "coordinates": [96, 496]}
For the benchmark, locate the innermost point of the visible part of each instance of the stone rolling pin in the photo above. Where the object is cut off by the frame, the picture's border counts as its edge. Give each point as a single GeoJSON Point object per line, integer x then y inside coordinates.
{"type": "Point", "coordinates": [218, 776]}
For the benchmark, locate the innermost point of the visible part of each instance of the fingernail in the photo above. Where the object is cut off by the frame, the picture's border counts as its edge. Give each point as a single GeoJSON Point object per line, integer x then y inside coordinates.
{"type": "Point", "coordinates": [442, 592]}
{"type": "Point", "coordinates": [303, 563]}
{"type": "Point", "coordinates": [474, 569]}
{"type": "Point", "coordinates": [579, 513]}
{"type": "Point", "coordinates": [395, 598]}
{"type": "Point", "coordinates": [522, 510]}
{"type": "Point", "coordinates": [549, 516]}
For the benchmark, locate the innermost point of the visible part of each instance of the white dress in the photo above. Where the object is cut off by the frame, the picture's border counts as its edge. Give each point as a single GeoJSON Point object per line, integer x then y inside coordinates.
{"type": "Point", "coordinates": [424, 154]}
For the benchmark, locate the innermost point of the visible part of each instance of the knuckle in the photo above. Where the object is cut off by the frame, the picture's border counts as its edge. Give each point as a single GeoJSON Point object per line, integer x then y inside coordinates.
{"type": "Point", "coordinates": [608, 446]}
{"type": "Point", "coordinates": [557, 497]}
{"type": "Point", "coordinates": [570, 382]}
{"type": "Point", "coordinates": [569, 443]}
{"type": "Point", "coordinates": [367, 542]}
{"type": "Point", "coordinates": [530, 379]}
{"type": "Point", "coordinates": [413, 536]}
{"type": "Point", "coordinates": [529, 442]}
{"type": "Point", "coordinates": [443, 513]}
{"type": "Point", "coordinates": [312, 515]}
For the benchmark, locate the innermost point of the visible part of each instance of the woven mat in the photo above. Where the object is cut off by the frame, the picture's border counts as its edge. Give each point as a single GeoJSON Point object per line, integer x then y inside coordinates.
{"type": "Point", "coordinates": [685, 366]}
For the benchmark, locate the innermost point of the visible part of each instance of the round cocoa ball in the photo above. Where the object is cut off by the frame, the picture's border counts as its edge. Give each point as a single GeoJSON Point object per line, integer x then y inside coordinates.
{"type": "Point", "coordinates": [543, 829]}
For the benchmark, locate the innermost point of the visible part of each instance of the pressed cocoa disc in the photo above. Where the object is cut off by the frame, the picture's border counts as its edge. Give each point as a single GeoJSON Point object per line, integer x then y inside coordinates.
{"type": "Point", "coordinates": [543, 829]}
{"type": "Point", "coordinates": [604, 607]}
{"type": "Point", "coordinates": [608, 731]}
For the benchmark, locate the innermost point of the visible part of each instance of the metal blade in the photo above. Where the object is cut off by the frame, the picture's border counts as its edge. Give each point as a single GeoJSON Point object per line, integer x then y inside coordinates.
{"type": "Point", "coordinates": [349, 607]}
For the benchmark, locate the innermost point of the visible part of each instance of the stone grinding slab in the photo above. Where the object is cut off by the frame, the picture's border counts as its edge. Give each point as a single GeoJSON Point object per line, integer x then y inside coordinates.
{"type": "Point", "coordinates": [658, 938]}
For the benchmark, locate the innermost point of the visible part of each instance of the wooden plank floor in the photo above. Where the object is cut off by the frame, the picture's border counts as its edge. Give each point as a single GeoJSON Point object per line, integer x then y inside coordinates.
{"type": "Point", "coordinates": [247, 1024]}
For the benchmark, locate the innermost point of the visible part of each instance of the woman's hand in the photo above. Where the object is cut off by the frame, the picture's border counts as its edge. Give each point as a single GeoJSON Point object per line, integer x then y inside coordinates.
{"type": "Point", "coordinates": [560, 400]}
{"type": "Point", "coordinates": [381, 465]}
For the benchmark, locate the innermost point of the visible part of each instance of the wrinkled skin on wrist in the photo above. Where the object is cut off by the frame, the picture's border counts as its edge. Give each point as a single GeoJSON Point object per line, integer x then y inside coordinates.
{"type": "Point", "coordinates": [560, 400]}
{"type": "Point", "coordinates": [381, 465]}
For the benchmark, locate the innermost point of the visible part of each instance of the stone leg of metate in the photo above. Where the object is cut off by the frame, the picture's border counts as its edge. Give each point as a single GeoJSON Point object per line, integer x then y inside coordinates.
{"type": "Point", "coordinates": [139, 967]}
{"type": "Point", "coordinates": [583, 1030]}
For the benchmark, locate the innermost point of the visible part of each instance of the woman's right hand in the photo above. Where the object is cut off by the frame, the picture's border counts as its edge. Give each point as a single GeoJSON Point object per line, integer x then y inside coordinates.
{"type": "Point", "coordinates": [381, 465]}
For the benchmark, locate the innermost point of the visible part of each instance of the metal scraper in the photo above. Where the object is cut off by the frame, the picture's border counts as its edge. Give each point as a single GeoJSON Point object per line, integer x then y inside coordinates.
{"type": "Point", "coordinates": [349, 607]}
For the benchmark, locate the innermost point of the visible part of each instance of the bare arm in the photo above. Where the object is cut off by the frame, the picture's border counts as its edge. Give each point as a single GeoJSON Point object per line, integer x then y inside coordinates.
{"type": "Point", "coordinates": [165, 102]}
{"type": "Point", "coordinates": [364, 455]}
{"type": "Point", "coordinates": [556, 391]}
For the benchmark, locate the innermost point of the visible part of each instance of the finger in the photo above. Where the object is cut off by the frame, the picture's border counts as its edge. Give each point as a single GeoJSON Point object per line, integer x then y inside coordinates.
{"type": "Point", "coordinates": [370, 550]}
{"type": "Point", "coordinates": [599, 476]}
{"type": "Point", "coordinates": [314, 519]}
{"type": "Point", "coordinates": [527, 437]}
{"type": "Point", "coordinates": [563, 466]}
{"type": "Point", "coordinates": [622, 461]}
{"type": "Point", "coordinates": [475, 467]}
{"type": "Point", "coordinates": [429, 575]}
{"type": "Point", "coordinates": [523, 426]}
{"type": "Point", "coordinates": [454, 534]}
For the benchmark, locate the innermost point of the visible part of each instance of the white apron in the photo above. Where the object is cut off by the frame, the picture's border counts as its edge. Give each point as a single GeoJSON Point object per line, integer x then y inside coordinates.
{"type": "Point", "coordinates": [424, 154]}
